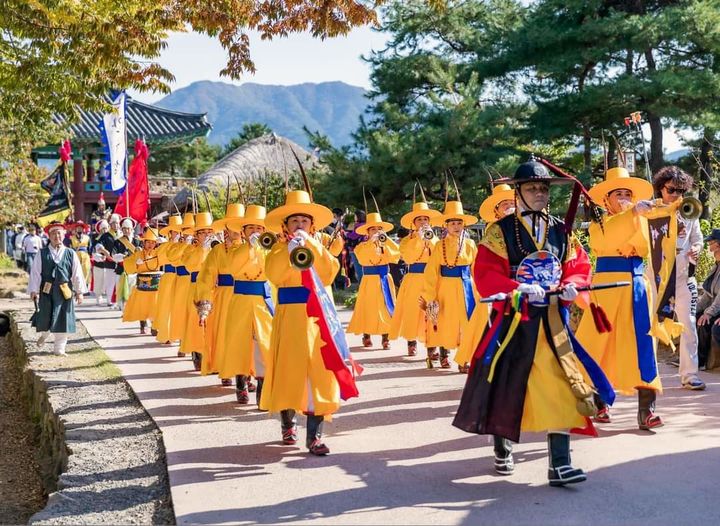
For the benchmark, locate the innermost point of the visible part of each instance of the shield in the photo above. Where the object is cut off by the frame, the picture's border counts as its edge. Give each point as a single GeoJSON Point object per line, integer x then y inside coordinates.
{"type": "Point", "coordinates": [540, 268]}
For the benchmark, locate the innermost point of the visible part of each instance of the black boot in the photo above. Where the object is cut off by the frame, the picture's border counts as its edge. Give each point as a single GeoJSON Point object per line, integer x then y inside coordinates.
{"type": "Point", "coordinates": [197, 360]}
{"type": "Point", "coordinates": [560, 471]}
{"type": "Point", "coordinates": [143, 327]}
{"type": "Point", "coordinates": [444, 358]}
{"type": "Point", "coordinates": [412, 347]}
{"type": "Point", "coordinates": [289, 426]}
{"type": "Point", "coordinates": [504, 463]}
{"type": "Point", "coordinates": [385, 342]}
{"type": "Point", "coordinates": [258, 391]}
{"type": "Point", "coordinates": [647, 419]}
{"type": "Point", "coordinates": [314, 435]}
{"type": "Point", "coordinates": [241, 392]}
{"type": "Point", "coordinates": [432, 355]}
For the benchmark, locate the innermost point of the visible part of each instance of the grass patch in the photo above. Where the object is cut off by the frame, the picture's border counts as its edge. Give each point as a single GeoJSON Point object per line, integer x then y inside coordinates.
{"type": "Point", "coordinates": [7, 263]}
{"type": "Point", "coordinates": [346, 297]}
{"type": "Point", "coordinates": [95, 364]}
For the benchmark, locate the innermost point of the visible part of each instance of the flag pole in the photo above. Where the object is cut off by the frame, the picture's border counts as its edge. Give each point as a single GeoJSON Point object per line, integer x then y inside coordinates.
{"type": "Point", "coordinates": [127, 171]}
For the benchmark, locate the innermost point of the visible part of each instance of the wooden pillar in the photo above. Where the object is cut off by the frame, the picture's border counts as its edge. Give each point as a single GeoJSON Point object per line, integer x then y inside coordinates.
{"type": "Point", "coordinates": [78, 186]}
{"type": "Point", "coordinates": [90, 169]}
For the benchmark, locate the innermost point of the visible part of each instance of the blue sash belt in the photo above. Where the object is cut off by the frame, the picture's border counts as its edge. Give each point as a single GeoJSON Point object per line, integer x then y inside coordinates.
{"type": "Point", "coordinates": [169, 269]}
{"type": "Point", "coordinates": [462, 272]}
{"type": "Point", "coordinates": [82, 249]}
{"type": "Point", "coordinates": [182, 271]}
{"type": "Point", "coordinates": [261, 288]}
{"type": "Point", "coordinates": [288, 295]}
{"type": "Point", "coordinates": [382, 271]}
{"type": "Point", "coordinates": [641, 318]}
{"type": "Point", "coordinates": [417, 268]}
{"type": "Point", "coordinates": [193, 277]}
{"type": "Point", "coordinates": [225, 280]}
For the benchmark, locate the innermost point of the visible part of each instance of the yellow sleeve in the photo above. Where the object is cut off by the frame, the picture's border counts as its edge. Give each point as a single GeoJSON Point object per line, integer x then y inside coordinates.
{"type": "Point", "coordinates": [431, 275]}
{"type": "Point", "coordinates": [207, 278]}
{"type": "Point", "coordinates": [176, 253]}
{"type": "Point", "coordinates": [364, 252]}
{"type": "Point", "coordinates": [621, 234]}
{"type": "Point", "coordinates": [494, 241]}
{"type": "Point", "coordinates": [130, 264]}
{"type": "Point", "coordinates": [392, 251]}
{"type": "Point", "coordinates": [277, 264]}
{"type": "Point", "coordinates": [337, 246]}
{"type": "Point", "coordinates": [326, 265]}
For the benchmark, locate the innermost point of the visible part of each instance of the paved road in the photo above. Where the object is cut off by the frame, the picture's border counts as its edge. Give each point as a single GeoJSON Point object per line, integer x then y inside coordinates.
{"type": "Point", "coordinates": [397, 460]}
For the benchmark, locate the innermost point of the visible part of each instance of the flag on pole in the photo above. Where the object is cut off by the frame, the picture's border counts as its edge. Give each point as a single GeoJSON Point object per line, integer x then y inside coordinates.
{"type": "Point", "coordinates": [57, 207]}
{"type": "Point", "coordinates": [138, 194]}
{"type": "Point", "coordinates": [113, 127]}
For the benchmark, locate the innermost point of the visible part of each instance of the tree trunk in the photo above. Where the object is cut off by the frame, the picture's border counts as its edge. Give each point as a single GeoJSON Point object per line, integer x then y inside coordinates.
{"type": "Point", "coordinates": [706, 171]}
{"type": "Point", "coordinates": [587, 149]}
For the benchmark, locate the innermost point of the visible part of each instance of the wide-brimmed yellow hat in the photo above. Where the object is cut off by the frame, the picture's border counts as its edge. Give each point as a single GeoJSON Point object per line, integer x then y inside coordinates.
{"type": "Point", "coordinates": [454, 210]}
{"type": "Point", "coordinates": [617, 178]}
{"type": "Point", "coordinates": [149, 235]}
{"type": "Point", "coordinates": [418, 210]}
{"type": "Point", "coordinates": [374, 220]}
{"type": "Point", "coordinates": [204, 221]}
{"type": "Point", "coordinates": [254, 215]}
{"type": "Point", "coordinates": [488, 208]}
{"type": "Point", "coordinates": [174, 222]}
{"type": "Point", "coordinates": [298, 202]}
{"type": "Point", "coordinates": [232, 211]}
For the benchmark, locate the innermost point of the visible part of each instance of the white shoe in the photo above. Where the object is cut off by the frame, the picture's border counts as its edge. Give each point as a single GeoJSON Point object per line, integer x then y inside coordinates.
{"type": "Point", "coordinates": [43, 338]}
{"type": "Point", "coordinates": [59, 352]}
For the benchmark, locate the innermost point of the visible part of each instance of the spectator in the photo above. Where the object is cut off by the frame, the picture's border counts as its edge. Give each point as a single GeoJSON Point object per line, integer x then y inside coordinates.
{"type": "Point", "coordinates": [18, 250]}
{"type": "Point", "coordinates": [709, 309]}
{"type": "Point", "coordinates": [352, 239]}
{"type": "Point", "coordinates": [31, 246]}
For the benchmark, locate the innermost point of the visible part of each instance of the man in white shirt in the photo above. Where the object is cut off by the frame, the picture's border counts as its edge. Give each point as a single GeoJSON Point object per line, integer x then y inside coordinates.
{"type": "Point", "coordinates": [31, 246]}
{"type": "Point", "coordinates": [671, 183]}
{"type": "Point", "coordinates": [55, 278]}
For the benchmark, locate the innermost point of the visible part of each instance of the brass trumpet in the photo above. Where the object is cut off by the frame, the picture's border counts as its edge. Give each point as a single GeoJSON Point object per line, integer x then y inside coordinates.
{"type": "Point", "coordinates": [302, 258]}
{"type": "Point", "coordinates": [690, 208]}
{"type": "Point", "coordinates": [267, 240]}
{"type": "Point", "coordinates": [382, 238]}
{"type": "Point", "coordinates": [428, 234]}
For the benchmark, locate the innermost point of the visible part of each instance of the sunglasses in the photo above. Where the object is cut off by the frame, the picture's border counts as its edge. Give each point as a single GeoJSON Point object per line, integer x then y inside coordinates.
{"type": "Point", "coordinates": [673, 190]}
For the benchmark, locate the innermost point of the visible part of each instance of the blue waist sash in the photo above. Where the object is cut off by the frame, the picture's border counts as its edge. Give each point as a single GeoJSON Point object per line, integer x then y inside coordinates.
{"type": "Point", "coordinates": [462, 272]}
{"type": "Point", "coordinates": [417, 268]}
{"type": "Point", "coordinates": [641, 313]}
{"type": "Point", "coordinates": [182, 271]}
{"type": "Point", "coordinates": [193, 277]}
{"type": "Point", "coordinates": [82, 249]}
{"type": "Point", "coordinates": [382, 271]}
{"type": "Point", "coordinates": [225, 280]}
{"type": "Point", "coordinates": [259, 288]}
{"type": "Point", "coordinates": [288, 295]}
{"type": "Point", "coordinates": [169, 269]}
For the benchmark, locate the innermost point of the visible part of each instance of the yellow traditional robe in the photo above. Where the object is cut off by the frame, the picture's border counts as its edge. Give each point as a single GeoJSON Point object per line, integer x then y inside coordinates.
{"type": "Point", "coordinates": [448, 291]}
{"type": "Point", "coordinates": [624, 235]}
{"type": "Point", "coordinates": [193, 339]}
{"type": "Point", "coordinates": [409, 319]}
{"type": "Point", "coordinates": [166, 293]}
{"type": "Point", "coordinates": [248, 318]}
{"type": "Point", "coordinates": [371, 315]}
{"type": "Point", "coordinates": [296, 374]}
{"type": "Point", "coordinates": [179, 311]}
{"type": "Point", "coordinates": [215, 284]}
{"type": "Point", "coordinates": [82, 249]}
{"type": "Point", "coordinates": [142, 304]}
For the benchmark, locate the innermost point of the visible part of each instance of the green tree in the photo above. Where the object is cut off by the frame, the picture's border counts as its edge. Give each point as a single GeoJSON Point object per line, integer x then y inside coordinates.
{"type": "Point", "coordinates": [189, 160]}
{"type": "Point", "coordinates": [249, 131]}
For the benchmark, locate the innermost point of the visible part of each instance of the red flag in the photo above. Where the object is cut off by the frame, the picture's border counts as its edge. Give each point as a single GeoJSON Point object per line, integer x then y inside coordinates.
{"type": "Point", "coordinates": [138, 189]}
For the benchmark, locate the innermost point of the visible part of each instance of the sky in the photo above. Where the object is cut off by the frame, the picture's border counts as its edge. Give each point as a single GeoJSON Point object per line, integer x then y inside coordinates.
{"type": "Point", "coordinates": [296, 59]}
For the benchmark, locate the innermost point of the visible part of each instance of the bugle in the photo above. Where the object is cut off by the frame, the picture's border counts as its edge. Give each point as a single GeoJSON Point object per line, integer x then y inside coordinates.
{"type": "Point", "coordinates": [302, 258]}
{"type": "Point", "coordinates": [382, 237]}
{"type": "Point", "coordinates": [690, 208]}
{"type": "Point", "coordinates": [427, 234]}
{"type": "Point", "coordinates": [267, 240]}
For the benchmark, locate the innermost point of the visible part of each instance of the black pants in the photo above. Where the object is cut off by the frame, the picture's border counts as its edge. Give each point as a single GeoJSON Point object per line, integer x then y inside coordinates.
{"type": "Point", "coordinates": [706, 334]}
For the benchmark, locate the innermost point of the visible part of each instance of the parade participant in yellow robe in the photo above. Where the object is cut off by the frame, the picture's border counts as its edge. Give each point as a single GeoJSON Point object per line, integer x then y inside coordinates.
{"type": "Point", "coordinates": [215, 286]}
{"type": "Point", "coordinates": [125, 246]}
{"type": "Point", "coordinates": [178, 315]}
{"type": "Point", "coordinates": [243, 345]}
{"type": "Point", "coordinates": [297, 375]}
{"type": "Point", "coordinates": [409, 319]}
{"type": "Point", "coordinates": [193, 257]}
{"type": "Point", "coordinates": [449, 293]}
{"type": "Point", "coordinates": [80, 243]}
{"type": "Point", "coordinates": [142, 304]}
{"type": "Point", "coordinates": [499, 204]}
{"type": "Point", "coordinates": [626, 353]}
{"type": "Point", "coordinates": [375, 302]}
{"type": "Point", "coordinates": [166, 287]}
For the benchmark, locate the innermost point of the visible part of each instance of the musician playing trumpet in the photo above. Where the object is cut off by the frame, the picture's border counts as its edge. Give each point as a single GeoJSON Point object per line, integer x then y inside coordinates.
{"type": "Point", "coordinates": [142, 304]}
{"type": "Point", "coordinates": [375, 302]}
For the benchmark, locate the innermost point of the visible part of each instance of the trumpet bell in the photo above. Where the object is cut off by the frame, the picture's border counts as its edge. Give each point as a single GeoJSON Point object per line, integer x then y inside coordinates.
{"type": "Point", "coordinates": [428, 234]}
{"type": "Point", "coordinates": [690, 208]}
{"type": "Point", "coordinates": [267, 240]}
{"type": "Point", "coordinates": [302, 258]}
{"type": "Point", "coordinates": [382, 237]}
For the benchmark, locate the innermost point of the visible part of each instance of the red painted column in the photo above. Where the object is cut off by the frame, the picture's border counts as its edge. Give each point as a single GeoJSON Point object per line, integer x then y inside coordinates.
{"type": "Point", "coordinates": [78, 186]}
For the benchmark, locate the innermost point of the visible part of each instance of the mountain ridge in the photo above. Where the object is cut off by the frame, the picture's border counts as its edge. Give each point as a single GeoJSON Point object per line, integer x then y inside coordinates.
{"type": "Point", "coordinates": [332, 108]}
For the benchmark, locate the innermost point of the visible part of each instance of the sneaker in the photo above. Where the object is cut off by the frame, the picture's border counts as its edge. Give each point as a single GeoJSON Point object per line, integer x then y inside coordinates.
{"type": "Point", "coordinates": [651, 421]}
{"type": "Point", "coordinates": [42, 339]}
{"type": "Point", "coordinates": [562, 475]}
{"type": "Point", "coordinates": [694, 384]}
{"type": "Point", "coordinates": [318, 448]}
{"type": "Point", "coordinates": [242, 396]}
{"type": "Point", "coordinates": [59, 352]}
{"type": "Point", "coordinates": [504, 466]}
{"type": "Point", "coordinates": [289, 436]}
